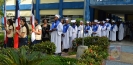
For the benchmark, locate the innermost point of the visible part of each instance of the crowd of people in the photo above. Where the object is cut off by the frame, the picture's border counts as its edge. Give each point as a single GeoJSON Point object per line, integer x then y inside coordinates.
{"type": "Point", "coordinates": [63, 32]}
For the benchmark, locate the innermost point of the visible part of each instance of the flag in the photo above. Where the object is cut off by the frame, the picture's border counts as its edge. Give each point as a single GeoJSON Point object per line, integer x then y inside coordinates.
{"type": "Point", "coordinates": [32, 22]}
{"type": "Point", "coordinates": [5, 36]}
{"type": "Point", "coordinates": [17, 18]}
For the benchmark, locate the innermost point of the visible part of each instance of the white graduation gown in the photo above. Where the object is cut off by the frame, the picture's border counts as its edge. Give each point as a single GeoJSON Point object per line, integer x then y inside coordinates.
{"type": "Point", "coordinates": [121, 32]}
{"type": "Point", "coordinates": [89, 33]}
{"type": "Point", "coordinates": [66, 38]}
{"type": "Point", "coordinates": [113, 33]}
{"type": "Point", "coordinates": [74, 35]}
{"type": "Point", "coordinates": [103, 31]}
{"type": "Point", "coordinates": [80, 32]}
{"type": "Point", "coordinates": [108, 30]}
{"type": "Point", "coordinates": [98, 32]}
{"type": "Point", "coordinates": [56, 37]}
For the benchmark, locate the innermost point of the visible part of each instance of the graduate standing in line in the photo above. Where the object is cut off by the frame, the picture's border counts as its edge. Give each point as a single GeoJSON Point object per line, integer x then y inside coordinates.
{"type": "Point", "coordinates": [56, 32]}
{"type": "Point", "coordinates": [108, 27]}
{"type": "Point", "coordinates": [96, 29]}
{"type": "Point", "coordinates": [80, 30]}
{"type": "Point", "coordinates": [121, 31]}
{"type": "Point", "coordinates": [10, 32]}
{"type": "Point", "coordinates": [67, 33]}
{"type": "Point", "coordinates": [113, 30]}
{"type": "Point", "coordinates": [87, 30]}
{"type": "Point", "coordinates": [103, 29]}
{"type": "Point", "coordinates": [74, 32]}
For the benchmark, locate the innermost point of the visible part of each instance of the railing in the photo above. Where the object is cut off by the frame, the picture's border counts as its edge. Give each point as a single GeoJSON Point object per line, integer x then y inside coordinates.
{"type": "Point", "coordinates": [111, 2]}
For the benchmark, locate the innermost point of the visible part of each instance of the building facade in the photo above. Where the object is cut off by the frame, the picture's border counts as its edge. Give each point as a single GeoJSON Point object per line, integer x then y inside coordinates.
{"type": "Point", "coordinates": [87, 9]}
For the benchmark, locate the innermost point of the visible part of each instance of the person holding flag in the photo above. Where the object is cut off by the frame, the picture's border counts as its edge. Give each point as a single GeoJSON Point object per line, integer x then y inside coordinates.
{"type": "Point", "coordinates": [23, 32]}
{"type": "Point", "coordinates": [10, 32]}
{"type": "Point", "coordinates": [37, 31]}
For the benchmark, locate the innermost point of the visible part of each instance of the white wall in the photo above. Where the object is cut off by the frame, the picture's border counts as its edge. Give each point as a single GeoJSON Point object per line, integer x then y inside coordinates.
{"type": "Point", "coordinates": [49, 1]}
{"type": "Point", "coordinates": [73, 0]}
{"type": "Point", "coordinates": [49, 12]}
{"type": "Point", "coordinates": [73, 12]}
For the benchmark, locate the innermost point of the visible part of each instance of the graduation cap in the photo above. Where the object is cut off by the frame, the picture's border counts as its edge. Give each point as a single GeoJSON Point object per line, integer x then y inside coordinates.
{"type": "Point", "coordinates": [103, 21]}
{"type": "Point", "coordinates": [66, 19]}
{"type": "Point", "coordinates": [88, 22]}
{"type": "Point", "coordinates": [95, 20]}
{"type": "Point", "coordinates": [58, 16]}
{"type": "Point", "coordinates": [113, 21]}
{"type": "Point", "coordinates": [81, 21]}
{"type": "Point", "coordinates": [107, 19]}
{"type": "Point", "coordinates": [73, 21]}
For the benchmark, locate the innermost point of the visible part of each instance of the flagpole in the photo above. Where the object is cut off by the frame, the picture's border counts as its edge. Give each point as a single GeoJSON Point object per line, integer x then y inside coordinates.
{"type": "Point", "coordinates": [84, 22]}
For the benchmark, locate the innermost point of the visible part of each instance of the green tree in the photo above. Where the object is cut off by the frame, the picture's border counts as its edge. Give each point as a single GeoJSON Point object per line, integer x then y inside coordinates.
{"type": "Point", "coordinates": [1, 7]}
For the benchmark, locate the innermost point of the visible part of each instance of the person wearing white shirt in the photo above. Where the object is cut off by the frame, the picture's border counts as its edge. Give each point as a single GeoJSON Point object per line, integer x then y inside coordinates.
{"type": "Point", "coordinates": [87, 30]}
{"type": "Point", "coordinates": [103, 29]}
{"type": "Point", "coordinates": [113, 30]}
{"type": "Point", "coordinates": [80, 30]}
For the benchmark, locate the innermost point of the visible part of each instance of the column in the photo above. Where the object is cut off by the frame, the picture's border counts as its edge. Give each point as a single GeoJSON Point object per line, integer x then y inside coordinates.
{"type": "Point", "coordinates": [87, 10]}
{"type": "Point", "coordinates": [92, 10]}
{"type": "Point", "coordinates": [61, 8]}
{"type": "Point", "coordinates": [125, 17]}
{"type": "Point", "coordinates": [37, 10]}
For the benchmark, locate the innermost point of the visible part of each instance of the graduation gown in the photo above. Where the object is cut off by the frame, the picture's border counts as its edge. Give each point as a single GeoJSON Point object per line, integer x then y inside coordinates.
{"type": "Point", "coordinates": [89, 31]}
{"type": "Point", "coordinates": [97, 30]}
{"type": "Point", "coordinates": [113, 30]}
{"type": "Point", "coordinates": [74, 34]}
{"type": "Point", "coordinates": [80, 31]}
{"type": "Point", "coordinates": [103, 30]}
{"type": "Point", "coordinates": [121, 32]}
{"type": "Point", "coordinates": [66, 37]}
{"type": "Point", "coordinates": [56, 36]}
{"type": "Point", "coordinates": [108, 27]}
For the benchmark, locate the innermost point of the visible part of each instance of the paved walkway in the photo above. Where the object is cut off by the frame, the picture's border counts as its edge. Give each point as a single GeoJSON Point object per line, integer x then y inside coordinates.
{"type": "Point", "coordinates": [126, 54]}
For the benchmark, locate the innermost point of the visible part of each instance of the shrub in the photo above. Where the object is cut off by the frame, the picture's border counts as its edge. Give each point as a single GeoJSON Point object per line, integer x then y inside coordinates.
{"type": "Point", "coordinates": [58, 60]}
{"type": "Point", "coordinates": [97, 52]}
{"type": "Point", "coordinates": [45, 47]}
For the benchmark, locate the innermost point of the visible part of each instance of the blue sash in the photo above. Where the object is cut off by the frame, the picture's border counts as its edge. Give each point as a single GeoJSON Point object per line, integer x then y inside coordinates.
{"type": "Point", "coordinates": [65, 27]}
{"type": "Point", "coordinates": [95, 27]}
{"type": "Point", "coordinates": [112, 27]}
{"type": "Point", "coordinates": [55, 24]}
{"type": "Point", "coordinates": [74, 26]}
{"type": "Point", "coordinates": [87, 28]}
{"type": "Point", "coordinates": [107, 24]}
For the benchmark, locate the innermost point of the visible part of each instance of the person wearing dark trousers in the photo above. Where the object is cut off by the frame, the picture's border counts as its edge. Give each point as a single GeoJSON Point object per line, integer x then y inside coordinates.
{"type": "Point", "coordinates": [45, 31]}
{"type": "Point", "coordinates": [9, 31]}
{"type": "Point", "coordinates": [23, 32]}
{"type": "Point", "coordinates": [38, 32]}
